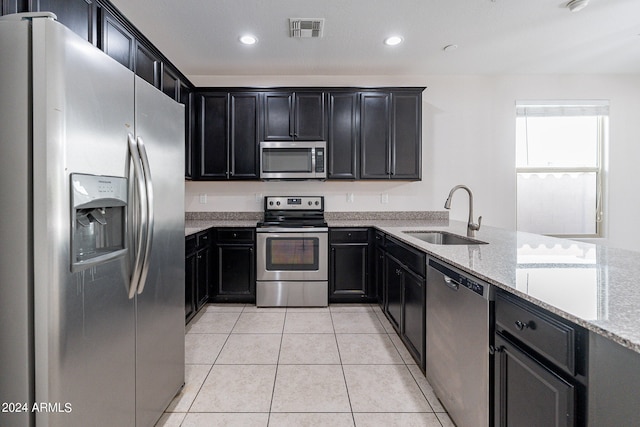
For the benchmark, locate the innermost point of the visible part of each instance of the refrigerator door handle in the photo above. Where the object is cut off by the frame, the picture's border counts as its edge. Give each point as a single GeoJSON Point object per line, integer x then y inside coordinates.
{"type": "Point", "coordinates": [141, 237]}
{"type": "Point", "coordinates": [150, 214]}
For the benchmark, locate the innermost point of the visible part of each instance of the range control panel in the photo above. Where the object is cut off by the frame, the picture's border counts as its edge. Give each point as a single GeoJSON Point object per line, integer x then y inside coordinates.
{"type": "Point", "coordinates": [279, 203]}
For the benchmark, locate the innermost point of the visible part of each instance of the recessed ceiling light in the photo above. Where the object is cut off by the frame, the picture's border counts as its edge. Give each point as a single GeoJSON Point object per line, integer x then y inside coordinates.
{"type": "Point", "coordinates": [248, 39]}
{"type": "Point", "coordinates": [576, 5]}
{"type": "Point", "coordinates": [393, 40]}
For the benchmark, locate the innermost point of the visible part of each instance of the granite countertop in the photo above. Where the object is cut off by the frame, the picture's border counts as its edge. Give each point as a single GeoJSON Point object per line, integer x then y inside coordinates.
{"type": "Point", "coordinates": [591, 285]}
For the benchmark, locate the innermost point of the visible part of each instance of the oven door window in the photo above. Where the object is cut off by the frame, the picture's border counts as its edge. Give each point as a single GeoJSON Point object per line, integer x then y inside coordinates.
{"type": "Point", "coordinates": [292, 253]}
{"type": "Point", "coordinates": [278, 160]}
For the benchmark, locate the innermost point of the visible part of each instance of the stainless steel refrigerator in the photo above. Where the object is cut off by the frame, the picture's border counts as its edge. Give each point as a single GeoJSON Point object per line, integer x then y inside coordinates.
{"type": "Point", "coordinates": [91, 235]}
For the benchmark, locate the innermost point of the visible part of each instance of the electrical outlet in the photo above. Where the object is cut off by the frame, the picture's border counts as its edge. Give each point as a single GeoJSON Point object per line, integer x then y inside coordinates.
{"type": "Point", "coordinates": [349, 197]}
{"type": "Point", "coordinates": [258, 198]}
{"type": "Point", "coordinates": [203, 198]}
{"type": "Point", "coordinates": [384, 198]}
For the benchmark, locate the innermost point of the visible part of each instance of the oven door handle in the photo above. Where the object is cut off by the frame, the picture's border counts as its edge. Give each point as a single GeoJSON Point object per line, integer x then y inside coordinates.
{"type": "Point", "coordinates": [305, 230]}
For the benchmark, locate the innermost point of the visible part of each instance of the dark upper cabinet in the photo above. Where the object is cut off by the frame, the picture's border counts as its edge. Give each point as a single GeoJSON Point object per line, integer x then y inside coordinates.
{"type": "Point", "coordinates": [406, 135]}
{"type": "Point", "coordinates": [244, 137]}
{"type": "Point", "coordinates": [294, 116]}
{"type": "Point", "coordinates": [212, 136]}
{"type": "Point", "coordinates": [228, 135]}
{"type": "Point", "coordinates": [390, 124]}
{"type": "Point", "coordinates": [343, 135]}
{"type": "Point", "coordinates": [375, 138]}
{"type": "Point", "coordinates": [116, 41]}
{"type": "Point", "coordinates": [13, 6]}
{"type": "Point", "coordinates": [189, 122]}
{"type": "Point", "coordinates": [170, 83]}
{"type": "Point", "coordinates": [147, 65]}
{"type": "Point", "coordinates": [77, 15]}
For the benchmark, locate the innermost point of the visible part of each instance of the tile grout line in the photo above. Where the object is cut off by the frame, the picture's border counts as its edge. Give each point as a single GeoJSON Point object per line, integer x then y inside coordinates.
{"type": "Point", "coordinates": [275, 377]}
{"type": "Point", "coordinates": [344, 377]}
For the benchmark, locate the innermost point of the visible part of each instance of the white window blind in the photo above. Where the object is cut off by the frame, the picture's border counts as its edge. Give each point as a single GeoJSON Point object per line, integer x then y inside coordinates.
{"type": "Point", "coordinates": [559, 150]}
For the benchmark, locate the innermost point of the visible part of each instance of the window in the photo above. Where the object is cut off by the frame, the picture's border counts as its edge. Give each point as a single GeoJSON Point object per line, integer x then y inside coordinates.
{"type": "Point", "coordinates": [559, 167]}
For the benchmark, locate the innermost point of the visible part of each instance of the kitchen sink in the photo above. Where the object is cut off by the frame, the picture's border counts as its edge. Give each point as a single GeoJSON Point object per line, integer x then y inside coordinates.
{"type": "Point", "coordinates": [443, 238]}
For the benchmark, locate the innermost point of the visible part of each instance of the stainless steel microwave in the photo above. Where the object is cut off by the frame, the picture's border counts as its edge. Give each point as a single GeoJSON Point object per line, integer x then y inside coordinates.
{"type": "Point", "coordinates": [293, 160]}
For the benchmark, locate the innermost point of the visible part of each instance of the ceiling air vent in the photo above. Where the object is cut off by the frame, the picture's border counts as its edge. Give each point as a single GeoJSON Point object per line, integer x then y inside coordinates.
{"type": "Point", "coordinates": [306, 27]}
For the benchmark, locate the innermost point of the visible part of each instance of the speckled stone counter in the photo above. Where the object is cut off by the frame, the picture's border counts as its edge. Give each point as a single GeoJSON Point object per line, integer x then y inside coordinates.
{"type": "Point", "coordinates": [591, 285]}
{"type": "Point", "coordinates": [199, 221]}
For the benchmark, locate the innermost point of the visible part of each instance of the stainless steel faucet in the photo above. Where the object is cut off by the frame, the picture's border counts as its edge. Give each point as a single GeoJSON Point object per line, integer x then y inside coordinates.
{"type": "Point", "coordinates": [471, 226]}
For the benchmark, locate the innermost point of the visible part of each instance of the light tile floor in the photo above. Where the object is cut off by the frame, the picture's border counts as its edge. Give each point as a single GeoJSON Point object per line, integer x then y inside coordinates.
{"type": "Point", "coordinates": [338, 366]}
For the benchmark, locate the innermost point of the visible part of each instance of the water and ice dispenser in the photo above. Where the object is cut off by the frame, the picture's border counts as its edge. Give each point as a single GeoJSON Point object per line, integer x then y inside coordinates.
{"type": "Point", "coordinates": [99, 209]}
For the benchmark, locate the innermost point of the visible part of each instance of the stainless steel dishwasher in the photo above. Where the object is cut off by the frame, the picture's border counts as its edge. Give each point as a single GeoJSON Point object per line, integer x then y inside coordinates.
{"type": "Point", "coordinates": [457, 346]}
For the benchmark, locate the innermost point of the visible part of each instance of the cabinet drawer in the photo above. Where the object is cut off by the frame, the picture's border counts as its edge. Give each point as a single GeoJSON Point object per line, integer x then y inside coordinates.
{"type": "Point", "coordinates": [348, 235]}
{"type": "Point", "coordinates": [412, 258]}
{"type": "Point", "coordinates": [204, 239]}
{"type": "Point", "coordinates": [236, 235]}
{"type": "Point", "coordinates": [550, 337]}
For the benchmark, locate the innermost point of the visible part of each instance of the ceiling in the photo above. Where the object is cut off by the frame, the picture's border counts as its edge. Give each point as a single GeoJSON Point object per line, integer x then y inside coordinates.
{"type": "Point", "coordinates": [493, 36]}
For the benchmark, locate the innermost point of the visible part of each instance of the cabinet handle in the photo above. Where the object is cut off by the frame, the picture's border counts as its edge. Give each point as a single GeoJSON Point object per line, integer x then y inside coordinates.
{"type": "Point", "coordinates": [521, 325]}
{"type": "Point", "coordinates": [235, 234]}
{"type": "Point", "coordinates": [205, 237]}
{"type": "Point", "coordinates": [398, 271]}
{"type": "Point", "coordinates": [199, 257]}
{"type": "Point", "coordinates": [494, 350]}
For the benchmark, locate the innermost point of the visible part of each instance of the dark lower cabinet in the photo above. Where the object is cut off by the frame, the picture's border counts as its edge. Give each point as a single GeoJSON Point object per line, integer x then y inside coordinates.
{"type": "Point", "coordinates": [235, 266]}
{"type": "Point", "coordinates": [378, 268]}
{"type": "Point", "coordinates": [191, 277]}
{"type": "Point", "coordinates": [527, 393]}
{"type": "Point", "coordinates": [393, 285]}
{"type": "Point", "coordinates": [404, 294]}
{"type": "Point", "coordinates": [349, 265]}
{"type": "Point", "coordinates": [540, 366]}
{"type": "Point", "coordinates": [197, 272]}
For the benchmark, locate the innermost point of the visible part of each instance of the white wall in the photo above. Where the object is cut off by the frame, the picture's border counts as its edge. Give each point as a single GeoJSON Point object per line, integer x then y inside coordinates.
{"type": "Point", "coordinates": [468, 138]}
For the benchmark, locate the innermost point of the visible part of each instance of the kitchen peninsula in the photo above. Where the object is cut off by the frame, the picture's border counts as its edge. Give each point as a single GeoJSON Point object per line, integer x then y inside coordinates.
{"type": "Point", "coordinates": [589, 285]}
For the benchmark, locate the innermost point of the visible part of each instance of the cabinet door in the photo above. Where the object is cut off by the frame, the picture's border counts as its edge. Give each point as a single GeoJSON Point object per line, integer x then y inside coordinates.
{"type": "Point", "coordinates": [189, 122]}
{"type": "Point", "coordinates": [278, 116]}
{"type": "Point", "coordinates": [77, 15]}
{"type": "Point", "coordinates": [374, 130]}
{"type": "Point", "coordinates": [309, 116]}
{"type": "Point", "coordinates": [378, 270]}
{"type": "Point", "coordinates": [413, 315]}
{"type": "Point", "coordinates": [349, 270]}
{"type": "Point", "coordinates": [147, 65]}
{"type": "Point", "coordinates": [394, 279]}
{"type": "Point", "coordinates": [236, 272]}
{"type": "Point", "coordinates": [117, 41]}
{"type": "Point", "coordinates": [170, 82]}
{"type": "Point", "coordinates": [212, 146]}
{"type": "Point", "coordinates": [406, 118]}
{"type": "Point", "coordinates": [244, 140]}
{"type": "Point", "coordinates": [202, 286]}
{"type": "Point", "coordinates": [343, 136]}
{"type": "Point", "coordinates": [13, 6]}
{"type": "Point", "coordinates": [527, 393]}
{"type": "Point", "coordinates": [191, 270]}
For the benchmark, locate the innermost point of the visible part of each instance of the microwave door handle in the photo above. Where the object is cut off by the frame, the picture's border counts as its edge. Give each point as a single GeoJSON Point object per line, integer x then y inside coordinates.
{"type": "Point", "coordinates": [313, 160]}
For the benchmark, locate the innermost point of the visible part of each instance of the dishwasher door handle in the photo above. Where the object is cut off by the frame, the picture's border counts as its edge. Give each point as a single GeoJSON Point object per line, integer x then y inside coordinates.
{"type": "Point", "coordinates": [451, 283]}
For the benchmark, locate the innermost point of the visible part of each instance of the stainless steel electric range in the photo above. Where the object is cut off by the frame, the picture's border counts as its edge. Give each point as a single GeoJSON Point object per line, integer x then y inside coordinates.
{"type": "Point", "coordinates": [292, 267]}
